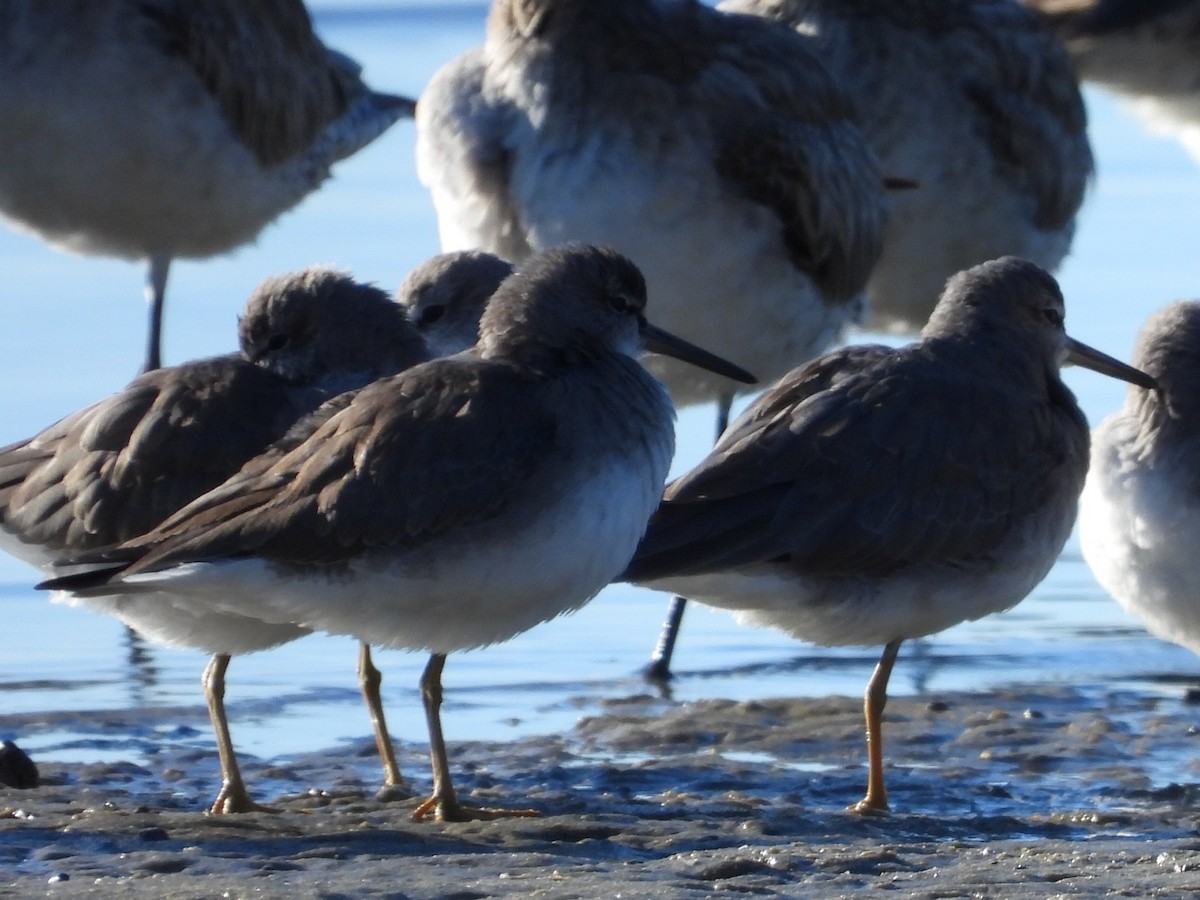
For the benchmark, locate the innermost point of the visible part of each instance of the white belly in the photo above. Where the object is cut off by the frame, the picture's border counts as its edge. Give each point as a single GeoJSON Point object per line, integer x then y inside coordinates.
{"type": "Point", "coordinates": [477, 587]}
{"type": "Point", "coordinates": [162, 619]}
{"type": "Point", "coordinates": [101, 157]}
{"type": "Point", "coordinates": [1138, 528]}
{"type": "Point", "coordinates": [866, 611]}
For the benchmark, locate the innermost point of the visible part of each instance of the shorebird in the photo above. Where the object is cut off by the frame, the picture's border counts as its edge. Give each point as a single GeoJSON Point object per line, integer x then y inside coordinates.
{"type": "Point", "coordinates": [978, 105]}
{"type": "Point", "coordinates": [445, 296]}
{"type": "Point", "coordinates": [157, 130]}
{"type": "Point", "coordinates": [1140, 510]}
{"type": "Point", "coordinates": [1147, 51]}
{"type": "Point", "coordinates": [877, 495]}
{"type": "Point", "coordinates": [456, 504]}
{"type": "Point", "coordinates": [116, 469]}
{"type": "Point", "coordinates": [714, 150]}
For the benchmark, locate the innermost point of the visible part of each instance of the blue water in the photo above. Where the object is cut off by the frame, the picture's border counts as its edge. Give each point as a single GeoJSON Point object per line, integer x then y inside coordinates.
{"type": "Point", "coordinates": [74, 689]}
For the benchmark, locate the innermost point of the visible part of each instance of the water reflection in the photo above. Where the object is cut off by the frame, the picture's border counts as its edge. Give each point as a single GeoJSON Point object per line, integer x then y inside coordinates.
{"type": "Point", "coordinates": [143, 673]}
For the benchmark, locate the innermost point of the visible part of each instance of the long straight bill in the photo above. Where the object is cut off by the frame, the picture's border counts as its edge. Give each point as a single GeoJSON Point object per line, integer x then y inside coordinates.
{"type": "Point", "coordinates": [1082, 355]}
{"type": "Point", "coordinates": [659, 341]}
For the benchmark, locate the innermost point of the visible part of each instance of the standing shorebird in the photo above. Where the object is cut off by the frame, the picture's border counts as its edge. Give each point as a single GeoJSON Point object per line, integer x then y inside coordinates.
{"type": "Point", "coordinates": [456, 504]}
{"type": "Point", "coordinates": [714, 150]}
{"type": "Point", "coordinates": [1148, 51]}
{"type": "Point", "coordinates": [1140, 511]}
{"type": "Point", "coordinates": [877, 494]}
{"type": "Point", "coordinates": [163, 129]}
{"type": "Point", "coordinates": [445, 296]}
{"type": "Point", "coordinates": [975, 102]}
{"type": "Point", "coordinates": [118, 468]}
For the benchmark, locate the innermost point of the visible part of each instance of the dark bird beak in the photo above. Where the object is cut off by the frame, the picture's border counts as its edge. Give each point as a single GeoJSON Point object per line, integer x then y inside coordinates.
{"type": "Point", "coordinates": [1082, 355]}
{"type": "Point", "coordinates": [659, 341]}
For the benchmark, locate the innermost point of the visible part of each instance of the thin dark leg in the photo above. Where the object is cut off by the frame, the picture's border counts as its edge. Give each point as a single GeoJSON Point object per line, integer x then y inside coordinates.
{"type": "Point", "coordinates": [874, 701]}
{"type": "Point", "coordinates": [659, 668]}
{"type": "Point", "coordinates": [156, 288]}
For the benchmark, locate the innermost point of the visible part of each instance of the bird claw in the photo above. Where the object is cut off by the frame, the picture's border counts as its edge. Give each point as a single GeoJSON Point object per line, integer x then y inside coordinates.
{"type": "Point", "coordinates": [869, 807]}
{"type": "Point", "coordinates": [232, 800]}
{"type": "Point", "coordinates": [453, 811]}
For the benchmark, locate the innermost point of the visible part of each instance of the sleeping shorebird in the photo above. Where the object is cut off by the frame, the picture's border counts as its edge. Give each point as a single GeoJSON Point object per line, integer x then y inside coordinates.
{"type": "Point", "coordinates": [877, 495]}
{"type": "Point", "coordinates": [1146, 51]}
{"type": "Point", "coordinates": [118, 468]}
{"type": "Point", "coordinates": [1140, 511]}
{"type": "Point", "coordinates": [978, 105]}
{"type": "Point", "coordinates": [445, 297]}
{"type": "Point", "coordinates": [156, 130]}
{"type": "Point", "coordinates": [714, 150]}
{"type": "Point", "coordinates": [451, 506]}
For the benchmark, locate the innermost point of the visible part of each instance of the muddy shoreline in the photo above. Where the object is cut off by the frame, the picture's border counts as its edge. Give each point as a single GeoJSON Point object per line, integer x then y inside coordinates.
{"type": "Point", "coordinates": [1035, 792]}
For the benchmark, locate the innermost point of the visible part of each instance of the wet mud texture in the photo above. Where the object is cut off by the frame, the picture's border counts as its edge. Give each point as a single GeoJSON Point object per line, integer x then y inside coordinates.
{"type": "Point", "coordinates": [1043, 792]}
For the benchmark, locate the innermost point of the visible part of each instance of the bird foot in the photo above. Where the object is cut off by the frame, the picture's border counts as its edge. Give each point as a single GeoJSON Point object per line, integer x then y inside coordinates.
{"type": "Point", "coordinates": [869, 807]}
{"type": "Point", "coordinates": [232, 800]}
{"type": "Point", "coordinates": [452, 811]}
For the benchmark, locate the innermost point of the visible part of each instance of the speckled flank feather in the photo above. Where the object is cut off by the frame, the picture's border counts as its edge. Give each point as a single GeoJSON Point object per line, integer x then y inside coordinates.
{"type": "Point", "coordinates": [976, 104]}
{"type": "Point", "coordinates": [713, 150]}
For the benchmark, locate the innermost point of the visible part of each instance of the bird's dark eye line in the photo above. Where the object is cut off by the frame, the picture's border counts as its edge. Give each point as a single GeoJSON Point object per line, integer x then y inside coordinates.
{"type": "Point", "coordinates": [277, 342]}
{"type": "Point", "coordinates": [1053, 316]}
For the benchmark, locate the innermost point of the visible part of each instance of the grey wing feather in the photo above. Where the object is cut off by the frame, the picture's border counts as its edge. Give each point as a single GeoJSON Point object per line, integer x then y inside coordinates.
{"type": "Point", "coordinates": [857, 480]}
{"type": "Point", "coordinates": [119, 467]}
{"type": "Point", "coordinates": [405, 460]}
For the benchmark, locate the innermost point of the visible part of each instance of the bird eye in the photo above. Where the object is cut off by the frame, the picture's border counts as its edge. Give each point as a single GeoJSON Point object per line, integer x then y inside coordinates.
{"type": "Point", "coordinates": [431, 314]}
{"type": "Point", "coordinates": [1054, 316]}
{"type": "Point", "coordinates": [277, 342]}
{"type": "Point", "coordinates": [621, 302]}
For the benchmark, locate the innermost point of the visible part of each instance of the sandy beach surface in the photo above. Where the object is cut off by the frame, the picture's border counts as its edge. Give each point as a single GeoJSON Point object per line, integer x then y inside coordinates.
{"type": "Point", "coordinates": [1048, 791]}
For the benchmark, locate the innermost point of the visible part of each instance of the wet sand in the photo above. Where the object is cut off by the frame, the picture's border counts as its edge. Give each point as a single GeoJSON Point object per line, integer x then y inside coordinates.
{"type": "Point", "coordinates": [1038, 792]}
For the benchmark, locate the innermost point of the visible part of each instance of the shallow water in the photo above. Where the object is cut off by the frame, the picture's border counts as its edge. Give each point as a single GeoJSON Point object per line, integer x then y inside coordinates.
{"type": "Point", "coordinates": [76, 690]}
